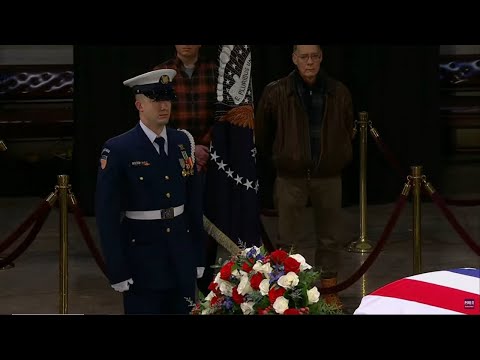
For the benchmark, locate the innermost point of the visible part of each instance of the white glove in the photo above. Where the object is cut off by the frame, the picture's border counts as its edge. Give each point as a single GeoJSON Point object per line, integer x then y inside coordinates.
{"type": "Point", "coordinates": [123, 286]}
{"type": "Point", "coordinates": [200, 271]}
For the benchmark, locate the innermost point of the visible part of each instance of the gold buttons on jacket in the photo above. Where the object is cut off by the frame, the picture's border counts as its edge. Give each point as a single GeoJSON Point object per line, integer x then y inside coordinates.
{"type": "Point", "coordinates": [141, 178]}
{"type": "Point", "coordinates": [167, 195]}
{"type": "Point", "coordinates": [168, 230]}
{"type": "Point", "coordinates": [167, 177]}
{"type": "Point", "coordinates": [133, 241]}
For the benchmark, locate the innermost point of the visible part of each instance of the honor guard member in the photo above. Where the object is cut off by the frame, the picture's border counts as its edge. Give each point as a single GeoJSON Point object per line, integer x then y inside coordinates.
{"type": "Point", "coordinates": [149, 206]}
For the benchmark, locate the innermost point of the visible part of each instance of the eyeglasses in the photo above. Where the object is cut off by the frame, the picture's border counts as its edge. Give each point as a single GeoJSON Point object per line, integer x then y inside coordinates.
{"type": "Point", "coordinates": [304, 57]}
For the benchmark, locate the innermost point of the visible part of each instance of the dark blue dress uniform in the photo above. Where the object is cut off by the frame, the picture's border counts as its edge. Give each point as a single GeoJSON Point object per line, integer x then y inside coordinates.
{"type": "Point", "coordinates": [160, 255]}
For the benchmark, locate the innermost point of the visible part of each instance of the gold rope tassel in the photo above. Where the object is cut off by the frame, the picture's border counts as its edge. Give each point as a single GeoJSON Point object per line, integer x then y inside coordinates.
{"type": "Point", "coordinates": [220, 237]}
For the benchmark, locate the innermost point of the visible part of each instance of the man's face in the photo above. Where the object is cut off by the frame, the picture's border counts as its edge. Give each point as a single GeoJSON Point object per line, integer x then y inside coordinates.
{"type": "Point", "coordinates": [154, 112]}
{"type": "Point", "coordinates": [188, 50]}
{"type": "Point", "coordinates": [308, 59]}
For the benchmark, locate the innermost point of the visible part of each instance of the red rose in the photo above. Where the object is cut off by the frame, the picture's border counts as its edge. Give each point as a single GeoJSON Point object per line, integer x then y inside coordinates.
{"type": "Point", "coordinates": [278, 256]}
{"type": "Point", "coordinates": [291, 264]}
{"type": "Point", "coordinates": [265, 311]}
{"type": "Point", "coordinates": [273, 294]}
{"type": "Point", "coordinates": [237, 298]}
{"type": "Point", "coordinates": [226, 271]}
{"type": "Point", "coordinates": [214, 300]}
{"type": "Point", "coordinates": [247, 267]}
{"type": "Point", "coordinates": [256, 280]}
{"type": "Point", "coordinates": [292, 311]}
{"type": "Point", "coordinates": [212, 286]}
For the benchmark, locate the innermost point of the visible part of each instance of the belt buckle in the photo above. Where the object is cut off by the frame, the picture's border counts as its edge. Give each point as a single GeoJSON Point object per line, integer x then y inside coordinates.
{"type": "Point", "coordinates": [167, 213]}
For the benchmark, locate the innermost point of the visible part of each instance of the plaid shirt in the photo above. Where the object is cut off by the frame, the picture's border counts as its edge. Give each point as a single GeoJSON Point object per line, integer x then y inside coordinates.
{"type": "Point", "coordinates": [194, 109]}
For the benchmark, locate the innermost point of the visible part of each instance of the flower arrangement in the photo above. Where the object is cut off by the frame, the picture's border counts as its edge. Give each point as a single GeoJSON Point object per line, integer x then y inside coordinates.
{"type": "Point", "coordinates": [257, 283]}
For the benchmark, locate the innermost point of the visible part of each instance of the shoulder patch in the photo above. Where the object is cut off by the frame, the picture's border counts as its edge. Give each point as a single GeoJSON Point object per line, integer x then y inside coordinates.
{"type": "Point", "coordinates": [104, 158]}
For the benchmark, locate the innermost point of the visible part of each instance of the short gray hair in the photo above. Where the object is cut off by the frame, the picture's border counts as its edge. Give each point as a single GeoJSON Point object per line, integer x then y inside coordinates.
{"type": "Point", "coordinates": [295, 47]}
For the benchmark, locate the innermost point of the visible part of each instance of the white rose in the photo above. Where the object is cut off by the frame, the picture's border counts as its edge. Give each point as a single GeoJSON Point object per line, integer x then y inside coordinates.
{"type": "Point", "coordinates": [210, 296]}
{"type": "Point", "coordinates": [303, 263]}
{"type": "Point", "coordinates": [244, 285]}
{"type": "Point", "coordinates": [226, 288]}
{"type": "Point", "coordinates": [313, 295]}
{"type": "Point", "coordinates": [238, 273]}
{"type": "Point", "coordinates": [264, 287]}
{"type": "Point", "coordinates": [247, 308]}
{"type": "Point", "coordinates": [217, 278]}
{"type": "Point", "coordinates": [207, 311]}
{"type": "Point", "coordinates": [280, 304]}
{"type": "Point", "coordinates": [288, 281]}
{"type": "Point", "coordinates": [262, 268]}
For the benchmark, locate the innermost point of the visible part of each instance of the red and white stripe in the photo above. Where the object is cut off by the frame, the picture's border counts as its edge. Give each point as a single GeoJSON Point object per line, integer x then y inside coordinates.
{"type": "Point", "coordinates": [440, 292]}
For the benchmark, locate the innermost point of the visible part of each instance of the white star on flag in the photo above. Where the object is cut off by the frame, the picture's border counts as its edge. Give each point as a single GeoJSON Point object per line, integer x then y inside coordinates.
{"type": "Point", "coordinates": [238, 179]}
{"type": "Point", "coordinates": [214, 156]}
{"type": "Point", "coordinates": [221, 165]}
{"type": "Point", "coordinates": [248, 184]}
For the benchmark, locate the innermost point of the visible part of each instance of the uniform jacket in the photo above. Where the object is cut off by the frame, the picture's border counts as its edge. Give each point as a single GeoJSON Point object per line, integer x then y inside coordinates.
{"type": "Point", "coordinates": [156, 254]}
{"type": "Point", "coordinates": [282, 132]}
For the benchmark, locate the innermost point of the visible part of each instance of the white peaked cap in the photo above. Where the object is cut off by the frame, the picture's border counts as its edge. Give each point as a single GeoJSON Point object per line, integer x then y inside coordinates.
{"type": "Point", "coordinates": [162, 76]}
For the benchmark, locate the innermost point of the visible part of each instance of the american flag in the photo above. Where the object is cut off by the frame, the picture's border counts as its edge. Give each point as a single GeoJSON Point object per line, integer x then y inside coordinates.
{"type": "Point", "coordinates": [232, 185]}
{"type": "Point", "coordinates": [454, 291]}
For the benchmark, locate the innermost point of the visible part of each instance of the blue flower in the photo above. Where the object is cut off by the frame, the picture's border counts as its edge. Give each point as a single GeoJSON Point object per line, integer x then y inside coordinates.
{"type": "Point", "coordinates": [274, 277]}
{"type": "Point", "coordinates": [251, 253]}
{"type": "Point", "coordinates": [259, 257]}
{"type": "Point", "coordinates": [228, 303]}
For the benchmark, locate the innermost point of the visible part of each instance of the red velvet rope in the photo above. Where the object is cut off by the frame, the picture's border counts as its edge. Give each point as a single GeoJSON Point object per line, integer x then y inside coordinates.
{"type": "Point", "coordinates": [453, 221]}
{"type": "Point", "coordinates": [88, 238]}
{"type": "Point", "coordinates": [42, 216]}
{"type": "Point", "coordinates": [400, 205]}
{"type": "Point", "coordinates": [24, 226]}
{"type": "Point", "coordinates": [398, 168]}
{"type": "Point", "coordinates": [390, 157]}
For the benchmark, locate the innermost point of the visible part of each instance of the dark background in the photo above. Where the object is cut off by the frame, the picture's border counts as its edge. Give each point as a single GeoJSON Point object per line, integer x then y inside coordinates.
{"type": "Point", "coordinates": [396, 85]}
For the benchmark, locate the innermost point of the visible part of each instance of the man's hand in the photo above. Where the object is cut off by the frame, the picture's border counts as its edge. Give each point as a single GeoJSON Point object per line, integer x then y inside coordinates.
{"type": "Point", "coordinates": [201, 156]}
{"type": "Point", "coordinates": [200, 271]}
{"type": "Point", "coordinates": [123, 286]}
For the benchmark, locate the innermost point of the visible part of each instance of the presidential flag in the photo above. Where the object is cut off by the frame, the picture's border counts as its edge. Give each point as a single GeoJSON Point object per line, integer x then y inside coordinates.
{"type": "Point", "coordinates": [232, 185]}
{"type": "Point", "coordinates": [454, 291]}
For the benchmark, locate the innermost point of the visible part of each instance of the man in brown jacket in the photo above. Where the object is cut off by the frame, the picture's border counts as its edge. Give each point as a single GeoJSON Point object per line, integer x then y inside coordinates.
{"type": "Point", "coordinates": [303, 133]}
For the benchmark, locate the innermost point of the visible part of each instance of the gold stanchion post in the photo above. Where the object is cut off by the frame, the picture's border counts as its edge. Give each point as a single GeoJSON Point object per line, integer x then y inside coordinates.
{"type": "Point", "coordinates": [361, 245]}
{"type": "Point", "coordinates": [63, 189]}
{"type": "Point", "coordinates": [417, 218]}
{"type": "Point", "coordinates": [3, 147]}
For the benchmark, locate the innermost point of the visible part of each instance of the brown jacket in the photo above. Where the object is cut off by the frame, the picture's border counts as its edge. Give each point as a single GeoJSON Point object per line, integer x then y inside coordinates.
{"type": "Point", "coordinates": [282, 132]}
